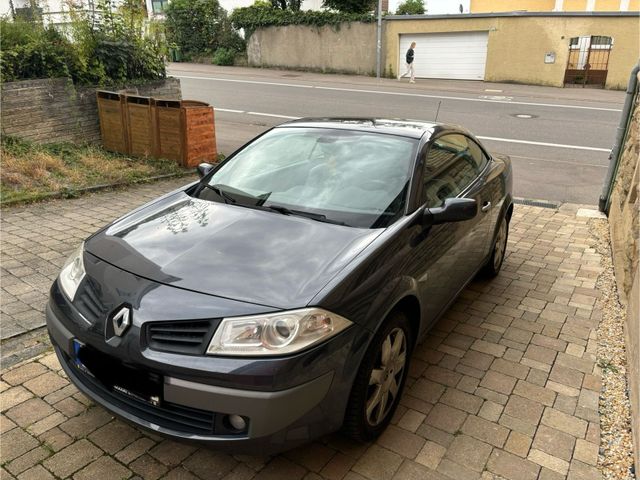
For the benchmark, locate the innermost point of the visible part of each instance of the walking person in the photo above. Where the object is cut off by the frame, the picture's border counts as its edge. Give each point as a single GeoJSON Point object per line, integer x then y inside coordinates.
{"type": "Point", "coordinates": [409, 61]}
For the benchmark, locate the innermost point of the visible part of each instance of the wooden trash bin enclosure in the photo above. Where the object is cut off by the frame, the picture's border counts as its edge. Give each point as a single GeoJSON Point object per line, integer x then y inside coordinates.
{"type": "Point", "coordinates": [180, 130]}
{"type": "Point", "coordinates": [139, 125]}
{"type": "Point", "coordinates": [113, 125]}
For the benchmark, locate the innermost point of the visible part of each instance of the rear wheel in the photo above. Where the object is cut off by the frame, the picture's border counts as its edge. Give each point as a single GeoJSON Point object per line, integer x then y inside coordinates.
{"type": "Point", "coordinates": [493, 266]}
{"type": "Point", "coordinates": [378, 385]}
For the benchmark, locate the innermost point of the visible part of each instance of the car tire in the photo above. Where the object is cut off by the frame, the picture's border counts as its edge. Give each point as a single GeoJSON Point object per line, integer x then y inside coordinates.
{"type": "Point", "coordinates": [498, 250]}
{"type": "Point", "coordinates": [369, 411]}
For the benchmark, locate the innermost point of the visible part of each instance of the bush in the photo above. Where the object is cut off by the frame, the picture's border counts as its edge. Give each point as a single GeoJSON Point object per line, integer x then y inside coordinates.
{"type": "Point", "coordinates": [411, 7]}
{"type": "Point", "coordinates": [260, 16]}
{"type": "Point", "coordinates": [350, 6]}
{"type": "Point", "coordinates": [200, 27]}
{"type": "Point", "coordinates": [105, 47]}
{"type": "Point", "coordinates": [224, 56]}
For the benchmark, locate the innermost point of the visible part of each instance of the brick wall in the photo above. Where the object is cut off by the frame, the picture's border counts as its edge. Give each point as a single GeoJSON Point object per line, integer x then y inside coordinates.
{"type": "Point", "coordinates": [53, 110]}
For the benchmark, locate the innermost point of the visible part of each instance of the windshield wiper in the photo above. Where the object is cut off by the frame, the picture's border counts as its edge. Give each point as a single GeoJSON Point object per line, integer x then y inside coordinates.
{"type": "Point", "coordinates": [221, 193]}
{"type": "Point", "coordinates": [313, 216]}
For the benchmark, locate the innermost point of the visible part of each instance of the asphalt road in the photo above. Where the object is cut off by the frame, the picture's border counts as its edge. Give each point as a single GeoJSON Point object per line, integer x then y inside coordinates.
{"type": "Point", "coordinates": [558, 139]}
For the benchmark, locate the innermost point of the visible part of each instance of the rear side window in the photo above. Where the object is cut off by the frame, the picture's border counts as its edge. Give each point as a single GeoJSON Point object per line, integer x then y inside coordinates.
{"type": "Point", "coordinates": [453, 163]}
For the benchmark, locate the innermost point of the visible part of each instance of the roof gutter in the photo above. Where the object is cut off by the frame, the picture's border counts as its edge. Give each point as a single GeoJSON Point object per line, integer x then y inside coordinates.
{"type": "Point", "coordinates": [616, 151]}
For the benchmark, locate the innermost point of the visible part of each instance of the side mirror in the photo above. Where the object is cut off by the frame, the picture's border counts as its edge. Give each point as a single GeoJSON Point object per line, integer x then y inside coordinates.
{"type": "Point", "coordinates": [204, 169]}
{"type": "Point", "coordinates": [453, 210]}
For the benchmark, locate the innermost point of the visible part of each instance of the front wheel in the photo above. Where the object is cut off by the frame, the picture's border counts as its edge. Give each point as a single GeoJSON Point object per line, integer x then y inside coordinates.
{"type": "Point", "coordinates": [378, 385]}
{"type": "Point", "coordinates": [493, 266]}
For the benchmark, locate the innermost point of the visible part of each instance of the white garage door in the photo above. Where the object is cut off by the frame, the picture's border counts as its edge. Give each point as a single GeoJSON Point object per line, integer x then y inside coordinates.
{"type": "Point", "coordinates": [458, 55]}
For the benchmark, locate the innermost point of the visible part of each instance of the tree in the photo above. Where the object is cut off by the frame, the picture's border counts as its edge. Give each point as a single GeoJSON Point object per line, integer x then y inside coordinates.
{"type": "Point", "coordinates": [411, 7]}
{"type": "Point", "coordinates": [350, 6]}
{"type": "Point", "coordinates": [293, 5]}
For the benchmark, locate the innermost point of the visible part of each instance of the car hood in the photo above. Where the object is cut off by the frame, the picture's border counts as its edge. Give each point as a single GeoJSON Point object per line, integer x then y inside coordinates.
{"type": "Point", "coordinates": [230, 251]}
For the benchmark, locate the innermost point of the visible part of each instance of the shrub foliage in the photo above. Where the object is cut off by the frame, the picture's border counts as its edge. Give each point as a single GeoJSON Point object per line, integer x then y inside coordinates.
{"type": "Point", "coordinates": [411, 7]}
{"type": "Point", "coordinates": [110, 46]}
{"type": "Point", "coordinates": [200, 27]}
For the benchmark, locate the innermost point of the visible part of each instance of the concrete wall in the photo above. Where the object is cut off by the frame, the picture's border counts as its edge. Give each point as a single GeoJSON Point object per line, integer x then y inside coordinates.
{"type": "Point", "coordinates": [351, 48]}
{"type": "Point", "coordinates": [517, 44]}
{"type": "Point", "coordinates": [485, 6]}
{"type": "Point", "coordinates": [53, 110]}
{"type": "Point", "coordinates": [625, 244]}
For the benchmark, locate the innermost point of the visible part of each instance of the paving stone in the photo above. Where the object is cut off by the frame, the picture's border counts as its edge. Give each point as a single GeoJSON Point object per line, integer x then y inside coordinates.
{"type": "Point", "coordinates": [133, 450]}
{"type": "Point", "coordinates": [430, 455]}
{"type": "Point", "coordinates": [36, 473]}
{"type": "Point", "coordinates": [511, 369]}
{"type": "Point", "coordinates": [554, 442]}
{"type": "Point", "coordinates": [400, 441]}
{"type": "Point", "coordinates": [14, 396]}
{"type": "Point", "coordinates": [45, 384]}
{"type": "Point", "coordinates": [72, 458]}
{"type": "Point", "coordinates": [27, 460]}
{"type": "Point", "coordinates": [492, 396]}
{"type": "Point", "coordinates": [55, 439]}
{"type": "Point", "coordinates": [488, 348]}
{"type": "Point", "coordinates": [461, 400]}
{"type": "Point", "coordinates": [427, 390]}
{"type": "Point", "coordinates": [498, 382]}
{"type": "Point", "coordinates": [180, 473]}
{"type": "Point", "coordinates": [565, 423]}
{"type": "Point", "coordinates": [338, 466]}
{"type": "Point", "coordinates": [586, 452]}
{"type": "Point", "coordinates": [86, 423]}
{"type": "Point", "coordinates": [435, 435]}
{"type": "Point", "coordinates": [70, 407]}
{"type": "Point", "coordinates": [566, 376]}
{"type": "Point", "coordinates": [411, 420]}
{"type": "Point", "coordinates": [490, 411]}
{"type": "Point", "coordinates": [21, 374]}
{"type": "Point", "coordinates": [511, 466]}
{"type": "Point", "coordinates": [485, 431]}
{"type": "Point", "coordinates": [518, 444]}
{"type": "Point", "coordinates": [446, 418]}
{"type": "Point", "coordinates": [454, 470]}
{"type": "Point", "coordinates": [478, 360]}
{"type": "Point", "coordinates": [105, 468]}
{"type": "Point", "coordinates": [148, 467]}
{"type": "Point", "coordinates": [30, 412]}
{"type": "Point", "coordinates": [537, 377]}
{"type": "Point", "coordinates": [442, 375]}
{"type": "Point", "coordinates": [524, 409]}
{"type": "Point", "coordinates": [549, 461]}
{"type": "Point", "coordinates": [469, 452]}
{"type": "Point", "coordinates": [582, 471]}
{"type": "Point", "coordinates": [203, 462]}
{"type": "Point", "coordinates": [378, 463]}
{"type": "Point", "coordinates": [413, 471]}
{"type": "Point", "coordinates": [46, 423]}
{"type": "Point", "coordinates": [535, 392]}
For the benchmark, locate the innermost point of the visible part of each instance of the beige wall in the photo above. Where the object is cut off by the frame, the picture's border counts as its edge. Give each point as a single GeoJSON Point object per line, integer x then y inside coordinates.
{"type": "Point", "coordinates": [488, 6]}
{"type": "Point", "coordinates": [517, 45]}
{"type": "Point", "coordinates": [625, 242]}
{"type": "Point", "coordinates": [349, 49]}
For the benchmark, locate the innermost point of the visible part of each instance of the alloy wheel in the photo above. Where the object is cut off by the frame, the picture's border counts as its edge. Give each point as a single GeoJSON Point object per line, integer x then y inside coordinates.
{"type": "Point", "coordinates": [501, 245]}
{"type": "Point", "coordinates": [386, 377]}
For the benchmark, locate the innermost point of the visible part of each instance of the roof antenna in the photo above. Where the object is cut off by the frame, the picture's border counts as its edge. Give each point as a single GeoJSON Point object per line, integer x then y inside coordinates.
{"type": "Point", "coordinates": [438, 110]}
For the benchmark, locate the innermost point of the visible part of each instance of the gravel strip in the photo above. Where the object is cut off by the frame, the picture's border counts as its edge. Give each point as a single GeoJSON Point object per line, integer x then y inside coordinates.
{"type": "Point", "coordinates": [616, 444]}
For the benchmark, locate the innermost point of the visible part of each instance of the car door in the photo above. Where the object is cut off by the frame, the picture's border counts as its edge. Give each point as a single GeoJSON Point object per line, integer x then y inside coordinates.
{"type": "Point", "coordinates": [450, 254]}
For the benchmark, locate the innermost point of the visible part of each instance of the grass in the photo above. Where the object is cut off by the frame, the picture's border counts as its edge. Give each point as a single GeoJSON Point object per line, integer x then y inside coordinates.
{"type": "Point", "coordinates": [30, 171]}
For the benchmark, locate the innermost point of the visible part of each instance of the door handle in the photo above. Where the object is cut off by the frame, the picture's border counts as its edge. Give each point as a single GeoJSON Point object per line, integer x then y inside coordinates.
{"type": "Point", "coordinates": [486, 207]}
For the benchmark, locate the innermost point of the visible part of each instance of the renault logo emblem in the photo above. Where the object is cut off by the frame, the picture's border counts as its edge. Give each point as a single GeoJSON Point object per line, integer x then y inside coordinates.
{"type": "Point", "coordinates": [121, 321]}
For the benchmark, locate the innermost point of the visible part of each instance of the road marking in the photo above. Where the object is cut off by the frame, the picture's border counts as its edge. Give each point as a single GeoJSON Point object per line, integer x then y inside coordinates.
{"type": "Point", "coordinates": [402, 94]}
{"type": "Point", "coordinates": [552, 160]}
{"type": "Point", "coordinates": [495, 139]}
{"type": "Point", "coordinates": [492, 90]}
{"type": "Point", "coordinates": [545, 144]}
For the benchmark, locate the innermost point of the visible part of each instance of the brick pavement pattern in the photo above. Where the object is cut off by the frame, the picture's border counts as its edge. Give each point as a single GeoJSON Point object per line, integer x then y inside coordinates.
{"type": "Point", "coordinates": [505, 386]}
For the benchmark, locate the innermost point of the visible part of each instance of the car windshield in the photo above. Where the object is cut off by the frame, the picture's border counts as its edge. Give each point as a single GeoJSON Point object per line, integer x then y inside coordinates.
{"type": "Point", "coordinates": [349, 177]}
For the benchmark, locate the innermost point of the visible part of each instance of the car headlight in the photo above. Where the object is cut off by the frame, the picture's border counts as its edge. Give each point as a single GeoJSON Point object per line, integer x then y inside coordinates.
{"type": "Point", "coordinates": [275, 333]}
{"type": "Point", "coordinates": [72, 273]}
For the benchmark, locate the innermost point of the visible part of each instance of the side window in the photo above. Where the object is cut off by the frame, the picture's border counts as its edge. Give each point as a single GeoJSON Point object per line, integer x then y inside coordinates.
{"type": "Point", "coordinates": [449, 169]}
{"type": "Point", "coordinates": [478, 155]}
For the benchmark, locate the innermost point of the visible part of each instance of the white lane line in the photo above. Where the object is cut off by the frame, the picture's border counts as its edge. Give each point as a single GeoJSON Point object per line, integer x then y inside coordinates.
{"type": "Point", "coordinates": [495, 139]}
{"type": "Point", "coordinates": [403, 94]}
{"type": "Point", "coordinates": [272, 115]}
{"type": "Point", "coordinates": [545, 144]}
{"type": "Point", "coordinates": [230, 110]}
{"type": "Point", "coordinates": [552, 160]}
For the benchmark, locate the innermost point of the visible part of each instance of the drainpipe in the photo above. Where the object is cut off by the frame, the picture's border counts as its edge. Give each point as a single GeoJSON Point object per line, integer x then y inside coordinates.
{"type": "Point", "coordinates": [614, 156]}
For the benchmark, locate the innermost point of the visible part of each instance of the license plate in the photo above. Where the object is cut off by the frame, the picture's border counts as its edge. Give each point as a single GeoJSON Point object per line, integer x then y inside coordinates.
{"type": "Point", "coordinates": [77, 346]}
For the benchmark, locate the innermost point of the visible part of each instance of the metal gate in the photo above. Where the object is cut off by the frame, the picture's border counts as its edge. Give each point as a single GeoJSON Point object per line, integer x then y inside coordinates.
{"type": "Point", "coordinates": [588, 61]}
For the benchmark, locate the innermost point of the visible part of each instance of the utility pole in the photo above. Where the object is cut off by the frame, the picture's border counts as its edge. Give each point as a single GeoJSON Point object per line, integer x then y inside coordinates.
{"type": "Point", "coordinates": [379, 41]}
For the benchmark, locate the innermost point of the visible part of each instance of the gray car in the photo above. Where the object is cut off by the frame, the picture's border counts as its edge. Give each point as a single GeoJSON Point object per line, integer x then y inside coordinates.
{"type": "Point", "coordinates": [279, 298]}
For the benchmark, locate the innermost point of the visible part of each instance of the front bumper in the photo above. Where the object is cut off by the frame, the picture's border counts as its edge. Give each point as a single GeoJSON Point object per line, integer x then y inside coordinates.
{"type": "Point", "coordinates": [277, 419]}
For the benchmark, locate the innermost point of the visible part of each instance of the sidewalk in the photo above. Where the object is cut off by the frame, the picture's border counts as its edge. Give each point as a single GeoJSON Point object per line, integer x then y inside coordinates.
{"type": "Point", "coordinates": [506, 385]}
{"type": "Point", "coordinates": [422, 85]}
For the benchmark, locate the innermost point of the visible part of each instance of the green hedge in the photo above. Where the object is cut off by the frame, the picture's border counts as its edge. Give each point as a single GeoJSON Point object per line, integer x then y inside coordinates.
{"type": "Point", "coordinates": [259, 16]}
{"type": "Point", "coordinates": [112, 49]}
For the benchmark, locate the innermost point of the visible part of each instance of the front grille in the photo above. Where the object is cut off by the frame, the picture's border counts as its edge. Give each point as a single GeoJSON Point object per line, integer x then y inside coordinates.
{"type": "Point", "coordinates": [179, 418]}
{"type": "Point", "coordinates": [186, 337]}
{"type": "Point", "coordinates": [88, 302]}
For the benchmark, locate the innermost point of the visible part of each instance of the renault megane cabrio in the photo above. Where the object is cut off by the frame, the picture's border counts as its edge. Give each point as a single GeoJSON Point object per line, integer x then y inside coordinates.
{"type": "Point", "coordinates": [279, 297]}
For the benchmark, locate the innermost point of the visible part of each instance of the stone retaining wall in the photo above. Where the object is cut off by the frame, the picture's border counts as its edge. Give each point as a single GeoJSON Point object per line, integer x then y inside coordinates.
{"type": "Point", "coordinates": [54, 110]}
{"type": "Point", "coordinates": [625, 242]}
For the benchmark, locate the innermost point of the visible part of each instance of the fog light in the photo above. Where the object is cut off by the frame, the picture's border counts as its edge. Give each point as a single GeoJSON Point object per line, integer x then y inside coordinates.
{"type": "Point", "coordinates": [237, 422]}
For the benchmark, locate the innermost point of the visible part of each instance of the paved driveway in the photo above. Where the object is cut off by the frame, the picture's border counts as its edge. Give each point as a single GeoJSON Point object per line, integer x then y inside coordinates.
{"type": "Point", "coordinates": [506, 385]}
